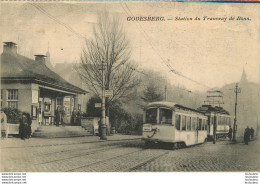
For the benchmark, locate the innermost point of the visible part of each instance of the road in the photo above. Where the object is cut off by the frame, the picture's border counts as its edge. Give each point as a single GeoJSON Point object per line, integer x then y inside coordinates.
{"type": "Point", "coordinates": [127, 156]}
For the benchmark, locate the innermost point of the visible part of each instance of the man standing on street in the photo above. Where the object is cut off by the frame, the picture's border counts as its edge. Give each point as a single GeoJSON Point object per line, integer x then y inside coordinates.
{"type": "Point", "coordinates": [247, 135]}
{"type": "Point", "coordinates": [230, 133]}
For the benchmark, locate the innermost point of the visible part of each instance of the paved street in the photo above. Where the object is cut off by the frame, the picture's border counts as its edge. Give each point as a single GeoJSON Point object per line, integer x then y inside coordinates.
{"type": "Point", "coordinates": [123, 153]}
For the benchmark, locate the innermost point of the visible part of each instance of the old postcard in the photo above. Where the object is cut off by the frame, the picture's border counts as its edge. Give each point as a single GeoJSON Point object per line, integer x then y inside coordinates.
{"type": "Point", "coordinates": [129, 87]}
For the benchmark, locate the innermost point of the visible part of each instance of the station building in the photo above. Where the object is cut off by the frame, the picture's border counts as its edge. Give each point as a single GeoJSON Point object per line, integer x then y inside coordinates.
{"type": "Point", "coordinates": [32, 87]}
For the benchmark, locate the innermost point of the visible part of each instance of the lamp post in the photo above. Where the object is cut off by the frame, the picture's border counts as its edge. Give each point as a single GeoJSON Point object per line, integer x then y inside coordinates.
{"type": "Point", "coordinates": [237, 90]}
{"type": "Point", "coordinates": [103, 106]}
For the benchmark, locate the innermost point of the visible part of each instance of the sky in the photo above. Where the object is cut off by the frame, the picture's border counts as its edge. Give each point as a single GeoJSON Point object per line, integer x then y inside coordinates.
{"type": "Point", "coordinates": [211, 52]}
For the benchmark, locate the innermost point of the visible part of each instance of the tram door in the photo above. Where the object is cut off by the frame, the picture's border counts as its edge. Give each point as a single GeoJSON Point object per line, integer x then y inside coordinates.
{"type": "Point", "coordinates": [209, 127]}
{"type": "Point", "coordinates": [197, 131]}
{"type": "Point", "coordinates": [214, 129]}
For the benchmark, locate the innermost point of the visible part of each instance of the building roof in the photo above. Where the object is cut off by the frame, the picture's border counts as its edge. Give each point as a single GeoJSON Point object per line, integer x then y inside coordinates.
{"type": "Point", "coordinates": [18, 67]}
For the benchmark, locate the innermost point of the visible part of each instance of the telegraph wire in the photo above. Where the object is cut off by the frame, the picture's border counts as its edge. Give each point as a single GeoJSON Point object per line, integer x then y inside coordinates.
{"type": "Point", "coordinates": [57, 20]}
{"type": "Point", "coordinates": [147, 38]}
{"type": "Point", "coordinates": [81, 36]}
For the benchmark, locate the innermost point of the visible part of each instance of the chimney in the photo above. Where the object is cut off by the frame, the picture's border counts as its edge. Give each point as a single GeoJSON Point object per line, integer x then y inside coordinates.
{"type": "Point", "coordinates": [10, 47]}
{"type": "Point", "coordinates": [40, 58]}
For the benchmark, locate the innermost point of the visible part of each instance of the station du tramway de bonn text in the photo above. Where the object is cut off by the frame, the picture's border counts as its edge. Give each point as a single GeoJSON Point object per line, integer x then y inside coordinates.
{"type": "Point", "coordinates": [178, 18]}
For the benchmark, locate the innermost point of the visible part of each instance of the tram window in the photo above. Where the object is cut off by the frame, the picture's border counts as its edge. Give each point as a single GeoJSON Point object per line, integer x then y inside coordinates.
{"type": "Point", "coordinates": [165, 116]}
{"type": "Point", "coordinates": [218, 120]}
{"type": "Point", "coordinates": [178, 122]}
{"type": "Point", "coordinates": [188, 123]}
{"type": "Point", "coordinates": [229, 121]}
{"type": "Point", "coordinates": [151, 116]}
{"type": "Point", "coordinates": [203, 124]}
{"type": "Point", "coordinates": [193, 123]}
{"type": "Point", "coordinates": [200, 124]}
{"type": "Point", "coordinates": [183, 123]}
{"type": "Point", "coordinates": [212, 120]}
{"type": "Point", "coordinates": [206, 125]}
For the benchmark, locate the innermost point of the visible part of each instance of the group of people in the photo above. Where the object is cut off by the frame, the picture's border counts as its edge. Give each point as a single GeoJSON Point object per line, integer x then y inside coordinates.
{"type": "Point", "coordinates": [60, 116]}
{"type": "Point", "coordinates": [76, 117]}
{"type": "Point", "coordinates": [248, 134]}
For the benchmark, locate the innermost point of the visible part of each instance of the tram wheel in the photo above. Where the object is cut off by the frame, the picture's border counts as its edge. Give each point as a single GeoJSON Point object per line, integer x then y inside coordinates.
{"type": "Point", "coordinates": [180, 145]}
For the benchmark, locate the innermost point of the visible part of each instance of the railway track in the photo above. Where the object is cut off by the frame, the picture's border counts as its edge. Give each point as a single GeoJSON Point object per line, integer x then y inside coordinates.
{"type": "Point", "coordinates": [76, 152]}
{"type": "Point", "coordinates": [113, 157]}
{"type": "Point", "coordinates": [73, 143]}
{"type": "Point", "coordinates": [146, 162]}
{"type": "Point", "coordinates": [106, 163]}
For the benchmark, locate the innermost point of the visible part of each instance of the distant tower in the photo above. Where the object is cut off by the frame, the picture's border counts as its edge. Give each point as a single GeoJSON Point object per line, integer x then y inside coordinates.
{"type": "Point", "coordinates": [243, 77]}
{"type": "Point", "coordinates": [48, 59]}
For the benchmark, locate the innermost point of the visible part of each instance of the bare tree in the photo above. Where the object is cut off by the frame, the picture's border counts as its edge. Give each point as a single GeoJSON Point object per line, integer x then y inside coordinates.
{"type": "Point", "coordinates": [109, 46]}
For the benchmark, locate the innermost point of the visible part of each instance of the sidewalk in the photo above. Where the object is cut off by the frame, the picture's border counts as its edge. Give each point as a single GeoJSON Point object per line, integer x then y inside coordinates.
{"type": "Point", "coordinates": [40, 142]}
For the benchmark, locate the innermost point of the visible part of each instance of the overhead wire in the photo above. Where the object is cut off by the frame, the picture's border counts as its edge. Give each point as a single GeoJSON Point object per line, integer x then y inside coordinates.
{"type": "Point", "coordinates": [148, 39]}
{"type": "Point", "coordinates": [81, 36]}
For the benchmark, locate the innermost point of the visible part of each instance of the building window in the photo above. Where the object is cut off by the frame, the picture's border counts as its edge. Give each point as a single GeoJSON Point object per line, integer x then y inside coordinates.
{"type": "Point", "coordinates": [12, 98]}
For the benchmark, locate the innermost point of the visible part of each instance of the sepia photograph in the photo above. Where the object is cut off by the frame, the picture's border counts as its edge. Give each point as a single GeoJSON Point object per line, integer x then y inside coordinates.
{"type": "Point", "coordinates": [120, 86]}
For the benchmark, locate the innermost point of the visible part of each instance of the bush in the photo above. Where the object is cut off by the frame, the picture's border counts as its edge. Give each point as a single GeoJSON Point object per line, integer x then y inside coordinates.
{"type": "Point", "coordinates": [13, 115]}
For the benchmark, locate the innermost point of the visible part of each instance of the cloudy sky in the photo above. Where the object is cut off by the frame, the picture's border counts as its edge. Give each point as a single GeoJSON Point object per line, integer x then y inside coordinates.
{"type": "Point", "coordinates": [211, 52]}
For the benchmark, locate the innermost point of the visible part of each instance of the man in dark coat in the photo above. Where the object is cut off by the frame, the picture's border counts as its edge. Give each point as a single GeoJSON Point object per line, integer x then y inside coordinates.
{"type": "Point", "coordinates": [29, 123]}
{"type": "Point", "coordinates": [73, 117]}
{"type": "Point", "coordinates": [23, 127]}
{"type": "Point", "coordinates": [57, 116]}
{"type": "Point", "coordinates": [247, 135]}
{"type": "Point", "coordinates": [230, 133]}
{"type": "Point", "coordinates": [78, 118]}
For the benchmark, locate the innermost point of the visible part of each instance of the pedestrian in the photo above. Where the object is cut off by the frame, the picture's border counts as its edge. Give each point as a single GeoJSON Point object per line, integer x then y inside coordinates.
{"type": "Point", "coordinates": [23, 127]}
{"type": "Point", "coordinates": [78, 118]}
{"type": "Point", "coordinates": [230, 133]}
{"type": "Point", "coordinates": [57, 117]}
{"type": "Point", "coordinates": [63, 115]}
{"type": "Point", "coordinates": [28, 124]}
{"type": "Point", "coordinates": [247, 135]}
{"type": "Point", "coordinates": [3, 125]}
{"type": "Point", "coordinates": [73, 116]}
{"type": "Point", "coordinates": [252, 132]}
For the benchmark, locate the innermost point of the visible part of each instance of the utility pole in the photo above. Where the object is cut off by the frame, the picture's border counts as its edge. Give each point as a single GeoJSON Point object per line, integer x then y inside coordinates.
{"type": "Point", "coordinates": [237, 90]}
{"type": "Point", "coordinates": [103, 106]}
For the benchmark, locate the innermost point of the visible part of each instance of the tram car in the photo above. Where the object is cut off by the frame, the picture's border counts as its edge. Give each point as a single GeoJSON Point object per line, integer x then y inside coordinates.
{"type": "Point", "coordinates": [219, 117]}
{"type": "Point", "coordinates": [167, 122]}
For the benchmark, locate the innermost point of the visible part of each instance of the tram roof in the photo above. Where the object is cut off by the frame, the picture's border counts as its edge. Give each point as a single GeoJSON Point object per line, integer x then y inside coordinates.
{"type": "Point", "coordinates": [171, 105]}
{"type": "Point", "coordinates": [209, 108]}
